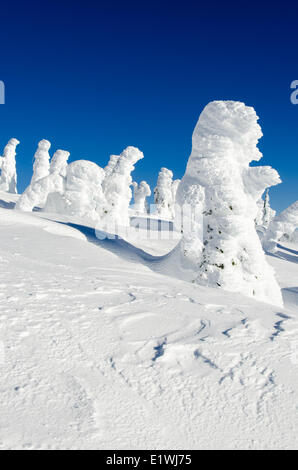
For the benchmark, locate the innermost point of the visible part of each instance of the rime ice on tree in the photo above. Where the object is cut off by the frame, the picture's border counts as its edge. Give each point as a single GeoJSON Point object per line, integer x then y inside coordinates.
{"type": "Point", "coordinates": [165, 193]}
{"type": "Point", "coordinates": [41, 167]}
{"type": "Point", "coordinates": [285, 223]}
{"type": "Point", "coordinates": [140, 193]}
{"type": "Point", "coordinates": [111, 165]}
{"type": "Point", "coordinates": [231, 257]}
{"type": "Point", "coordinates": [269, 213]}
{"type": "Point", "coordinates": [265, 213]}
{"type": "Point", "coordinates": [37, 193]}
{"type": "Point", "coordinates": [116, 186]}
{"type": "Point", "coordinates": [8, 177]}
{"type": "Point", "coordinates": [83, 196]}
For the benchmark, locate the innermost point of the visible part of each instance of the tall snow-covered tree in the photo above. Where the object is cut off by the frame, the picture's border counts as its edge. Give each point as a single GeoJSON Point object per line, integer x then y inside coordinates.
{"type": "Point", "coordinates": [269, 213]}
{"type": "Point", "coordinates": [41, 166]}
{"type": "Point", "coordinates": [117, 191]}
{"type": "Point", "coordinates": [265, 213]}
{"type": "Point", "coordinates": [140, 193]}
{"type": "Point", "coordinates": [83, 196]}
{"type": "Point", "coordinates": [163, 194]}
{"type": "Point", "coordinates": [230, 254]}
{"type": "Point", "coordinates": [111, 166]}
{"type": "Point", "coordinates": [8, 177]}
{"type": "Point", "coordinates": [175, 186]}
{"type": "Point", "coordinates": [37, 193]}
{"type": "Point", "coordinates": [286, 223]}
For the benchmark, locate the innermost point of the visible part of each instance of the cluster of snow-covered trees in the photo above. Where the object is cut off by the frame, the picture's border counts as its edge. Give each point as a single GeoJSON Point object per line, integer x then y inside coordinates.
{"type": "Point", "coordinates": [221, 206]}
{"type": "Point", "coordinates": [84, 189]}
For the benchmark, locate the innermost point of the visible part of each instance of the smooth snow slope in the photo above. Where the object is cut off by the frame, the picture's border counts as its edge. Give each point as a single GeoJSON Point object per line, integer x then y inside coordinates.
{"type": "Point", "coordinates": [100, 351]}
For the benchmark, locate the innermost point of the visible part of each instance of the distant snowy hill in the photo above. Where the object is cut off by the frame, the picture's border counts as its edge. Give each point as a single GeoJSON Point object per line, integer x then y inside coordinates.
{"type": "Point", "coordinates": [100, 350]}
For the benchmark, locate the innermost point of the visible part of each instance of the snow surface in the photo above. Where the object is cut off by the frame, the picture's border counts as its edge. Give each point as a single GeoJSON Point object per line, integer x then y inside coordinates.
{"type": "Point", "coordinates": [100, 350]}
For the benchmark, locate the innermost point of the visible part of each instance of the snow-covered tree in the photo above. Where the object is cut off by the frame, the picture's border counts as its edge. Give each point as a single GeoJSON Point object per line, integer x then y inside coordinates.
{"type": "Point", "coordinates": [37, 193]}
{"type": "Point", "coordinates": [41, 167]}
{"type": "Point", "coordinates": [286, 223]}
{"type": "Point", "coordinates": [111, 165]}
{"type": "Point", "coordinates": [227, 189]}
{"type": "Point", "coordinates": [83, 196]}
{"type": "Point", "coordinates": [140, 193]}
{"type": "Point", "coordinates": [163, 194]}
{"type": "Point", "coordinates": [265, 213]}
{"type": "Point", "coordinates": [175, 186]}
{"type": "Point", "coordinates": [8, 177]}
{"type": "Point", "coordinates": [117, 191]}
{"type": "Point", "coordinates": [269, 213]}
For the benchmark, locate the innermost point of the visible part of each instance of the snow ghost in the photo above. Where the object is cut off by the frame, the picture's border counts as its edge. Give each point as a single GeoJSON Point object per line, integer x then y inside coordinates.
{"type": "Point", "coordinates": [41, 167]}
{"type": "Point", "coordinates": [37, 192]}
{"type": "Point", "coordinates": [117, 191]}
{"type": "Point", "coordinates": [165, 194]}
{"type": "Point", "coordinates": [265, 213]}
{"type": "Point", "coordinates": [8, 177]}
{"type": "Point", "coordinates": [83, 196]}
{"type": "Point", "coordinates": [140, 193]}
{"type": "Point", "coordinates": [175, 186]}
{"type": "Point", "coordinates": [220, 183]}
{"type": "Point", "coordinates": [285, 224]}
{"type": "Point", "coordinates": [111, 165]}
{"type": "Point", "coordinates": [269, 213]}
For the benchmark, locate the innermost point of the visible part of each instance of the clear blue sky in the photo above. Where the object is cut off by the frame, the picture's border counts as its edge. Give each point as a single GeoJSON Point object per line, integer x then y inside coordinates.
{"type": "Point", "coordinates": [94, 77]}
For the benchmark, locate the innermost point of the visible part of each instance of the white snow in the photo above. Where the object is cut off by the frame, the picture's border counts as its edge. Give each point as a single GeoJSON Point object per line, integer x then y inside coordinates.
{"type": "Point", "coordinates": [116, 188]}
{"type": "Point", "coordinates": [226, 192]}
{"type": "Point", "coordinates": [8, 175]}
{"type": "Point", "coordinates": [41, 166]}
{"type": "Point", "coordinates": [82, 196]}
{"type": "Point", "coordinates": [285, 223]}
{"type": "Point", "coordinates": [37, 192]}
{"type": "Point", "coordinates": [101, 350]}
{"type": "Point", "coordinates": [165, 194]}
{"type": "Point", "coordinates": [141, 192]}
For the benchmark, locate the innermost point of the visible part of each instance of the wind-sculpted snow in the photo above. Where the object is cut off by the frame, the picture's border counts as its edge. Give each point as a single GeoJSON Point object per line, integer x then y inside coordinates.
{"type": "Point", "coordinates": [165, 194]}
{"type": "Point", "coordinates": [37, 192]}
{"type": "Point", "coordinates": [285, 223]}
{"type": "Point", "coordinates": [140, 194]}
{"type": "Point", "coordinates": [227, 190]}
{"type": "Point", "coordinates": [100, 351]}
{"type": "Point", "coordinates": [117, 191]}
{"type": "Point", "coordinates": [83, 196]}
{"type": "Point", "coordinates": [265, 213]}
{"type": "Point", "coordinates": [41, 166]}
{"type": "Point", "coordinates": [8, 176]}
